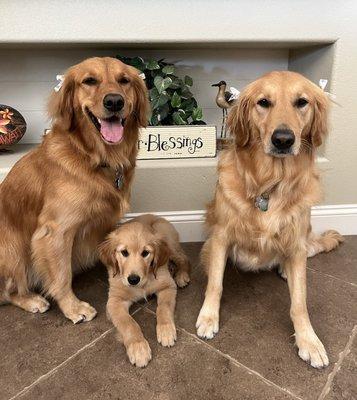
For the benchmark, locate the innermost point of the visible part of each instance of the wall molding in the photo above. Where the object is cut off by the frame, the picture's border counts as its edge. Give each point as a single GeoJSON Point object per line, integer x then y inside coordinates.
{"type": "Point", "coordinates": [190, 224]}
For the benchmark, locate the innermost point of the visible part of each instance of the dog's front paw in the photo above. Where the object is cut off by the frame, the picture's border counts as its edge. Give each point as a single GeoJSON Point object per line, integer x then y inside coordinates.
{"type": "Point", "coordinates": [312, 350]}
{"type": "Point", "coordinates": [37, 304]}
{"type": "Point", "coordinates": [81, 312]}
{"type": "Point", "coordinates": [207, 324]}
{"type": "Point", "coordinates": [182, 278]}
{"type": "Point", "coordinates": [139, 353]}
{"type": "Point", "coordinates": [166, 334]}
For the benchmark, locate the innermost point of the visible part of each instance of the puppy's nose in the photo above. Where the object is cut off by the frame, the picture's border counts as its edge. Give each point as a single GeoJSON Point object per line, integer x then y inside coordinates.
{"type": "Point", "coordinates": [283, 139]}
{"type": "Point", "coordinates": [113, 102]}
{"type": "Point", "coordinates": [133, 279]}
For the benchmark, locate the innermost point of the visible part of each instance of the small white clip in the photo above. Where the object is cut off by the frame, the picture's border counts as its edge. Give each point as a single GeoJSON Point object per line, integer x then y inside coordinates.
{"type": "Point", "coordinates": [323, 83]}
{"type": "Point", "coordinates": [142, 76]}
{"type": "Point", "coordinates": [60, 79]}
{"type": "Point", "coordinates": [234, 93]}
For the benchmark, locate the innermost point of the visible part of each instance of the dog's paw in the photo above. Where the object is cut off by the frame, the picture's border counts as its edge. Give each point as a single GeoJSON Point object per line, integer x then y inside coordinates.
{"type": "Point", "coordinates": [166, 334]}
{"type": "Point", "coordinates": [207, 325]}
{"type": "Point", "coordinates": [139, 353]}
{"type": "Point", "coordinates": [312, 351]}
{"type": "Point", "coordinates": [182, 278]}
{"type": "Point", "coordinates": [37, 304]}
{"type": "Point", "coordinates": [81, 312]}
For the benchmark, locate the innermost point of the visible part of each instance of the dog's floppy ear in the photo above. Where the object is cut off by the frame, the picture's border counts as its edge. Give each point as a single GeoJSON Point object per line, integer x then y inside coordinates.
{"type": "Point", "coordinates": [142, 106]}
{"type": "Point", "coordinates": [238, 120]}
{"type": "Point", "coordinates": [161, 254]}
{"type": "Point", "coordinates": [61, 103]}
{"type": "Point", "coordinates": [106, 252]}
{"type": "Point", "coordinates": [319, 122]}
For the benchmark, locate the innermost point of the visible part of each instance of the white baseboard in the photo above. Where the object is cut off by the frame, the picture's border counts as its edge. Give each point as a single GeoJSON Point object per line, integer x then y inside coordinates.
{"type": "Point", "coordinates": [190, 224]}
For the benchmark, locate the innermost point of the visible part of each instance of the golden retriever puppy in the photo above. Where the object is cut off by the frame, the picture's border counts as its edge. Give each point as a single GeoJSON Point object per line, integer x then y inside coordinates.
{"type": "Point", "coordinates": [137, 255]}
{"type": "Point", "coordinates": [60, 200]}
{"type": "Point", "coordinates": [267, 183]}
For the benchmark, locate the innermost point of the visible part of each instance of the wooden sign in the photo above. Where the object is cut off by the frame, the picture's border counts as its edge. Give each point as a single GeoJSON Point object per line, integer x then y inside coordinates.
{"type": "Point", "coordinates": [186, 141]}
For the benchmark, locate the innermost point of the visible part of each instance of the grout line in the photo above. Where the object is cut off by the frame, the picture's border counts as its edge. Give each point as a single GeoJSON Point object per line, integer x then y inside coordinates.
{"type": "Point", "coordinates": [55, 369]}
{"type": "Point", "coordinates": [338, 364]}
{"type": "Point", "coordinates": [234, 361]}
{"type": "Point", "coordinates": [331, 276]}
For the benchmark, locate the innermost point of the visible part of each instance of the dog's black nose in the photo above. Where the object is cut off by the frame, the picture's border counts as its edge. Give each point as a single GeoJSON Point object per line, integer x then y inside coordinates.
{"type": "Point", "coordinates": [113, 102]}
{"type": "Point", "coordinates": [133, 279]}
{"type": "Point", "coordinates": [283, 139]}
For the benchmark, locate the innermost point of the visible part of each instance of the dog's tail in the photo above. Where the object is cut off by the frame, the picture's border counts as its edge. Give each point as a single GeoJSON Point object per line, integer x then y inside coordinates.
{"type": "Point", "coordinates": [326, 242]}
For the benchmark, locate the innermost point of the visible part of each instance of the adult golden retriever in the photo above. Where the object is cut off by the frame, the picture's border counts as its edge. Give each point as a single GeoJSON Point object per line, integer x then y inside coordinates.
{"type": "Point", "coordinates": [60, 200]}
{"type": "Point", "coordinates": [267, 183]}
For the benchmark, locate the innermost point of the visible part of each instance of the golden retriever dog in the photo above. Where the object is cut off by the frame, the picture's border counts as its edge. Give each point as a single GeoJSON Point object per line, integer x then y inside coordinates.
{"type": "Point", "coordinates": [137, 255]}
{"type": "Point", "coordinates": [60, 200]}
{"type": "Point", "coordinates": [267, 183]}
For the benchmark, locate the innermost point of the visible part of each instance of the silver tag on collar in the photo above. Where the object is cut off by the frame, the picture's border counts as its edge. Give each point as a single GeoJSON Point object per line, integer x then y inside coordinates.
{"type": "Point", "coordinates": [262, 203]}
{"type": "Point", "coordinates": [119, 179]}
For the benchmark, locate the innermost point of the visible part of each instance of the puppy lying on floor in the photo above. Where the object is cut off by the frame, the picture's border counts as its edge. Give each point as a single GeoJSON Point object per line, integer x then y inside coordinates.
{"type": "Point", "coordinates": [137, 256]}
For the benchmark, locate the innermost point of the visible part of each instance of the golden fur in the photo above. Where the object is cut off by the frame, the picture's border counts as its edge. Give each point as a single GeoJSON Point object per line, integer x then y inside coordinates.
{"type": "Point", "coordinates": [59, 201]}
{"type": "Point", "coordinates": [249, 167]}
{"type": "Point", "coordinates": [142, 248]}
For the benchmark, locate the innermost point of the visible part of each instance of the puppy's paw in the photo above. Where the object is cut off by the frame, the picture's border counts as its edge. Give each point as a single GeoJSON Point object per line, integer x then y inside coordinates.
{"type": "Point", "coordinates": [166, 334]}
{"type": "Point", "coordinates": [312, 350]}
{"type": "Point", "coordinates": [37, 304]}
{"type": "Point", "coordinates": [182, 278]}
{"type": "Point", "coordinates": [81, 312]}
{"type": "Point", "coordinates": [139, 353]}
{"type": "Point", "coordinates": [207, 324]}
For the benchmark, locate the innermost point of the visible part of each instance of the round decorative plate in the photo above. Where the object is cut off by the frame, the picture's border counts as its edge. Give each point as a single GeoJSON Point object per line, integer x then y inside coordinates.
{"type": "Point", "coordinates": [12, 126]}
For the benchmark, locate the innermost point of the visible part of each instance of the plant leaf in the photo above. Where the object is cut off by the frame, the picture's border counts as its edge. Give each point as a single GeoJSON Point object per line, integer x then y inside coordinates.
{"type": "Point", "coordinates": [161, 83]}
{"type": "Point", "coordinates": [197, 114]}
{"type": "Point", "coordinates": [152, 64]}
{"type": "Point", "coordinates": [175, 100]}
{"type": "Point", "coordinates": [168, 69]}
{"type": "Point", "coordinates": [176, 116]}
{"type": "Point", "coordinates": [160, 101]}
{"type": "Point", "coordinates": [188, 80]}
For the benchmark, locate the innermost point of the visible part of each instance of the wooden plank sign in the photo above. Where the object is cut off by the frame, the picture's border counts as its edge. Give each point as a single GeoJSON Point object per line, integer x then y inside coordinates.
{"type": "Point", "coordinates": [193, 141]}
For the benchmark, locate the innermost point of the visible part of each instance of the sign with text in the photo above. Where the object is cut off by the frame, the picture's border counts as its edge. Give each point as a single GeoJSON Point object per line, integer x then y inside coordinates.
{"type": "Point", "coordinates": [193, 141]}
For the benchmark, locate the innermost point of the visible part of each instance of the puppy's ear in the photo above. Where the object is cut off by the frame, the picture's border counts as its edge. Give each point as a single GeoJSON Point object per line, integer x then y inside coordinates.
{"type": "Point", "coordinates": [319, 122]}
{"type": "Point", "coordinates": [142, 105]}
{"type": "Point", "coordinates": [106, 252]}
{"type": "Point", "coordinates": [161, 255]}
{"type": "Point", "coordinates": [61, 104]}
{"type": "Point", "coordinates": [238, 120]}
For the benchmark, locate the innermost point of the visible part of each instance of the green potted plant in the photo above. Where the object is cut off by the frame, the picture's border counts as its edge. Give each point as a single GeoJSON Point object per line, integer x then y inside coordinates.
{"type": "Point", "coordinates": [172, 102]}
{"type": "Point", "coordinates": [176, 128]}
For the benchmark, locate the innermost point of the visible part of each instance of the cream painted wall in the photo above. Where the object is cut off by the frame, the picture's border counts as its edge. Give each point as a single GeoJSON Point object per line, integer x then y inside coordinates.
{"type": "Point", "coordinates": [225, 23]}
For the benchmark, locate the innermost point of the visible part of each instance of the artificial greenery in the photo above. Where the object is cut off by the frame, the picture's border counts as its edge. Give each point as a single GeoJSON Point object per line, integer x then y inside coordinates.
{"type": "Point", "coordinates": [172, 102]}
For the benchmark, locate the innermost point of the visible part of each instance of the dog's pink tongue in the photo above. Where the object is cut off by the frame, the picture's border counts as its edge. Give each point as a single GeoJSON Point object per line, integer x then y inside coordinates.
{"type": "Point", "coordinates": [112, 131]}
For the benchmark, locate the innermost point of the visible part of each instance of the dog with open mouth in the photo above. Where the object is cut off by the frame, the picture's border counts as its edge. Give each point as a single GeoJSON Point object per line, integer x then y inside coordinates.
{"type": "Point", "coordinates": [60, 200]}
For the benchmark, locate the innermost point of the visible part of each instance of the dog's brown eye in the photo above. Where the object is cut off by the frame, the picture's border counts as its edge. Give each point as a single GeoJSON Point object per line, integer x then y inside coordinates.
{"type": "Point", "coordinates": [265, 103]}
{"type": "Point", "coordinates": [300, 103]}
{"type": "Point", "coordinates": [123, 80]}
{"type": "Point", "coordinates": [90, 81]}
{"type": "Point", "coordinates": [145, 253]}
{"type": "Point", "coordinates": [125, 253]}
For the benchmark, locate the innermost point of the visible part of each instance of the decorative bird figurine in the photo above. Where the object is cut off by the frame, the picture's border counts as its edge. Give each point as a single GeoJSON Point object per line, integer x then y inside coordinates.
{"type": "Point", "coordinates": [224, 100]}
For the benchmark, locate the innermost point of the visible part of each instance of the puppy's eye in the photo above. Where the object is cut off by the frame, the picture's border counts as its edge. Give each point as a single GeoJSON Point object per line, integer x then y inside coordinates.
{"type": "Point", "coordinates": [123, 80]}
{"type": "Point", "coordinates": [125, 253]}
{"type": "Point", "coordinates": [90, 81]}
{"type": "Point", "coordinates": [145, 253]}
{"type": "Point", "coordinates": [300, 103]}
{"type": "Point", "coordinates": [265, 103]}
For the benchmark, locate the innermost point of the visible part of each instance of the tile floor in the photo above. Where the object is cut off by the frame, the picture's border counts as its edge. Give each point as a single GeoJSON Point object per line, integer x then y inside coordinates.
{"type": "Point", "coordinates": [252, 357]}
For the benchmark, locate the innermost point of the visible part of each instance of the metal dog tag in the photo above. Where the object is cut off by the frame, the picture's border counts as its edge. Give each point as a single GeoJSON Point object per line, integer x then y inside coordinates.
{"type": "Point", "coordinates": [119, 180]}
{"type": "Point", "coordinates": [262, 203]}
